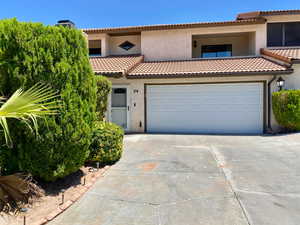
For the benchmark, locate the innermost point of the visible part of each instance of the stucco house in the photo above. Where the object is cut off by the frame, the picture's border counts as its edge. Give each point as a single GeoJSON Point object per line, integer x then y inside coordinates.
{"type": "Point", "coordinates": [214, 77]}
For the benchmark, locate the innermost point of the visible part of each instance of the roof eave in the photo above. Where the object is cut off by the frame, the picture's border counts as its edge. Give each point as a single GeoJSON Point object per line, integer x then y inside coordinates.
{"type": "Point", "coordinates": [296, 61]}
{"type": "Point", "coordinates": [174, 26]}
{"type": "Point", "coordinates": [189, 75]}
{"type": "Point", "coordinates": [262, 14]}
{"type": "Point", "coordinates": [109, 74]}
{"type": "Point", "coordinates": [282, 58]}
{"type": "Point", "coordinates": [276, 56]}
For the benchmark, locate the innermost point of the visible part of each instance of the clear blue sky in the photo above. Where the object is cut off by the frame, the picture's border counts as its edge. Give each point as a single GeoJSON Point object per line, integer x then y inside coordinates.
{"type": "Point", "coordinates": [112, 13]}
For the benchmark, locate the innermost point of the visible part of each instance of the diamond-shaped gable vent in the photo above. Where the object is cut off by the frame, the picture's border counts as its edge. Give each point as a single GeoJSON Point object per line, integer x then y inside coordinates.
{"type": "Point", "coordinates": [126, 45]}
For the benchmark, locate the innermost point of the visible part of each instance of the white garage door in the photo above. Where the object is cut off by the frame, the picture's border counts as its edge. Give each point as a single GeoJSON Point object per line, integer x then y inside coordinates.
{"type": "Point", "coordinates": [205, 108]}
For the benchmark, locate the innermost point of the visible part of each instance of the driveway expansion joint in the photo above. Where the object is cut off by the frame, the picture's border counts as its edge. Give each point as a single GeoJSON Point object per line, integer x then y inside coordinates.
{"type": "Point", "coordinates": [221, 162]}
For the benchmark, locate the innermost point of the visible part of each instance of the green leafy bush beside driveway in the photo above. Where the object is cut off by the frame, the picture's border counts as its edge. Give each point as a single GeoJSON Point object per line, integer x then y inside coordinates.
{"type": "Point", "coordinates": [286, 108]}
{"type": "Point", "coordinates": [107, 143]}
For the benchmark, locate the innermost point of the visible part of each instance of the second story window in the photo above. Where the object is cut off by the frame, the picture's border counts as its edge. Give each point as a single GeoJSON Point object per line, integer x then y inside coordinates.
{"type": "Point", "coordinates": [210, 51]}
{"type": "Point", "coordinates": [283, 34]}
{"type": "Point", "coordinates": [95, 48]}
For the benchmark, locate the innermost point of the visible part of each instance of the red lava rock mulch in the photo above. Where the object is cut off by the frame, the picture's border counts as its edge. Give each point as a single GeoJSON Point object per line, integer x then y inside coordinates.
{"type": "Point", "coordinates": [50, 205]}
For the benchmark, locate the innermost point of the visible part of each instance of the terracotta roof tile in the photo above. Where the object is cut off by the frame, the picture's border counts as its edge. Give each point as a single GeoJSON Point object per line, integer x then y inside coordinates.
{"type": "Point", "coordinates": [114, 64]}
{"type": "Point", "coordinates": [202, 67]}
{"type": "Point", "coordinates": [171, 26]}
{"type": "Point", "coordinates": [285, 53]}
{"type": "Point", "coordinates": [259, 14]}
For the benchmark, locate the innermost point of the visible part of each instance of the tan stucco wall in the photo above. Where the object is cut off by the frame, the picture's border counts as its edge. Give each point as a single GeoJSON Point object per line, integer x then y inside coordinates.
{"type": "Point", "coordinates": [177, 44]}
{"type": "Point", "coordinates": [283, 18]}
{"type": "Point", "coordinates": [168, 44]}
{"type": "Point", "coordinates": [110, 44]}
{"type": "Point", "coordinates": [292, 81]}
{"type": "Point", "coordinates": [136, 100]}
{"type": "Point", "coordinates": [241, 44]}
{"type": "Point", "coordinates": [115, 41]}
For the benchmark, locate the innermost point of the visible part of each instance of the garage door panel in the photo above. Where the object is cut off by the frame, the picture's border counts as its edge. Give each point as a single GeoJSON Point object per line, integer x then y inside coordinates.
{"type": "Point", "coordinates": [205, 108]}
{"type": "Point", "coordinates": [168, 105]}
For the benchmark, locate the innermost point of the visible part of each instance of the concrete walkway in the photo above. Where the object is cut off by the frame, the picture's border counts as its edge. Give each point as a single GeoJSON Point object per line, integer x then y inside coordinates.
{"type": "Point", "coordinates": [196, 180]}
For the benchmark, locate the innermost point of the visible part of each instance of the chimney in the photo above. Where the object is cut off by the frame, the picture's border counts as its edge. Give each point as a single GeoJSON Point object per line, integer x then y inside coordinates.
{"type": "Point", "coordinates": [66, 23]}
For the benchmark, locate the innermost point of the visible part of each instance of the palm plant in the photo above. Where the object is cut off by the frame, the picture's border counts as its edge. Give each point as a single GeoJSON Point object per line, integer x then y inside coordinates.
{"type": "Point", "coordinates": [26, 106]}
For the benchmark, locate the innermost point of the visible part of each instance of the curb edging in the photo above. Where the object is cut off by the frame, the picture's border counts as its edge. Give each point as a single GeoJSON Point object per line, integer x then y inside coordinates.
{"type": "Point", "coordinates": [61, 208]}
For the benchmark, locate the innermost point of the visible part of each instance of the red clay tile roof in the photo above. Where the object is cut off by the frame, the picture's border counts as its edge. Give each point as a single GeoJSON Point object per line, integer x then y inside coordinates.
{"type": "Point", "coordinates": [285, 54]}
{"type": "Point", "coordinates": [134, 67]}
{"type": "Point", "coordinates": [114, 64]}
{"type": "Point", "coordinates": [171, 26]}
{"type": "Point", "coordinates": [207, 67]}
{"type": "Point", "coordinates": [259, 14]}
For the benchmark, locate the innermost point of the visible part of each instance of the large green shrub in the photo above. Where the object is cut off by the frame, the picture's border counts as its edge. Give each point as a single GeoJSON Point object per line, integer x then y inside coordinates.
{"type": "Point", "coordinates": [103, 89]}
{"type": "Point", "coordinates": [107, 143]}
{"type": "Point", "coordinates": [286, 108]}
{"type": "Point", "coordinates": [30, 53]}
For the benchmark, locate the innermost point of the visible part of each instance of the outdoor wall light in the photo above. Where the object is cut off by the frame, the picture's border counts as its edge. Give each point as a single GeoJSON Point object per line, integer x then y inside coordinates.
{"type": "Point", "coordinates": [135, 91]}
{"type": "Point", "coordinates": [280, 83]}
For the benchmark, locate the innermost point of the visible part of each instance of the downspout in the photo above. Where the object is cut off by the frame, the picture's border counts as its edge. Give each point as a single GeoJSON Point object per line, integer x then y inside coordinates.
{"type": "Point", "coordinates": [269, 103]}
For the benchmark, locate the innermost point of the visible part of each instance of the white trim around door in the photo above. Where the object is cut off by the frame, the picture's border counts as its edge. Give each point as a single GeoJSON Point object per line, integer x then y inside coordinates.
{"type": "Point", "coordinates": [119, 106]}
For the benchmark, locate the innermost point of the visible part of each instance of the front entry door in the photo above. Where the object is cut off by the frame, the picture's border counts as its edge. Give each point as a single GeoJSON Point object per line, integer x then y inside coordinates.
{"type": "Point", "coordinates": [120, 107]}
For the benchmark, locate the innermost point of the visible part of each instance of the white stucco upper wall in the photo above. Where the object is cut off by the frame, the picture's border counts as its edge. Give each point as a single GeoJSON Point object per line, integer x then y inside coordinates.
{"type": "Point", "coordinates": [177, 44]}
{"type": "Point", "coordinates": [115, 41]}
{"type": "Point", "coordinates": [292, 81]}
{"type": "Point", "coordinates": [166, 45]}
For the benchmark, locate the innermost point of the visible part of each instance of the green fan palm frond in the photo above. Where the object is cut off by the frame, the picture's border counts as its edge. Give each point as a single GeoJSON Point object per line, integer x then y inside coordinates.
{"type": "Point", "coordinates": [27, 106]}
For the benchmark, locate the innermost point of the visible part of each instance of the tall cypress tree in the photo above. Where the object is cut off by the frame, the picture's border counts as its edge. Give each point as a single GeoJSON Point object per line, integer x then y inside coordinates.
{"type": "Point", "coordinates": [32, 53]}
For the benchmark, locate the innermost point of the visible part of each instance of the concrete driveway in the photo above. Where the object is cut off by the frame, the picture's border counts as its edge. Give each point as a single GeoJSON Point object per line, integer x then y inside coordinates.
{"type": "Point", "coordinates": [196, 180]}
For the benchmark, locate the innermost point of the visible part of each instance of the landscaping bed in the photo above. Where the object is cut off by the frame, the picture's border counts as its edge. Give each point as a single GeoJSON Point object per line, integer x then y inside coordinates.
{"type": "Point", "coordinates": [50, 205]}
{"type": "Point", "coordinates": [55, 107]}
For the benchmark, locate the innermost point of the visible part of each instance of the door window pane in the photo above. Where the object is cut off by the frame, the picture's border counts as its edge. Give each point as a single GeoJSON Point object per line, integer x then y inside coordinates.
{"type": "Point", "coordinates": [118, 97]}
{"type": "Point", "coordinates": [119, 117]}
{"type": "Point", "coordinates": [275, 34]}
{"type": "Point", "coordinates": [292, 34]}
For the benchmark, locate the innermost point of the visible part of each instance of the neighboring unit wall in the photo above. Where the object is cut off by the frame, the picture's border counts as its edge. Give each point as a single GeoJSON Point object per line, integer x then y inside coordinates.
{"type": "Point", "coordinates": [292, 81]}
{"type": "Point", "coordinates": [177, 44]}
{"type": "Point", "coordinates": [115, 41]}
